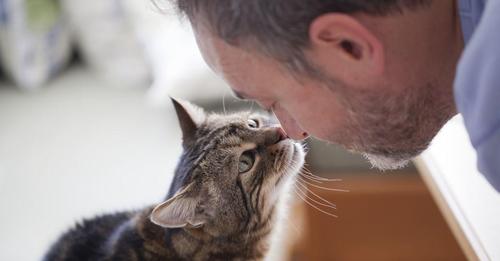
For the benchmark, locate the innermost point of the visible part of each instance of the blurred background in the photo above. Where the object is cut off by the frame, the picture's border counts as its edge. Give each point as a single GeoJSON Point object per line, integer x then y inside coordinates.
{"type": "Point", "coordinates": [86, 127]}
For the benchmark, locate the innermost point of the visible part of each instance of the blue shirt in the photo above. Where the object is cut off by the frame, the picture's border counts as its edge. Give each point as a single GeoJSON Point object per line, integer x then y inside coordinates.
{"type": "Point", "coordinates": [477, 83]}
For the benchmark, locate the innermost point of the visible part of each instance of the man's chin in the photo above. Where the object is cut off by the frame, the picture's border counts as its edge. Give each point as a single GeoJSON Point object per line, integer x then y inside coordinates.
{"type": "Point", "coordinates": [386, 163]}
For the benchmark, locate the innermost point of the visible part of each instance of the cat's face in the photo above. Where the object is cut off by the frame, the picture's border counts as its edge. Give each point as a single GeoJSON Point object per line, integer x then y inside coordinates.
{"type": "Point", "coordinates": [233, 170]}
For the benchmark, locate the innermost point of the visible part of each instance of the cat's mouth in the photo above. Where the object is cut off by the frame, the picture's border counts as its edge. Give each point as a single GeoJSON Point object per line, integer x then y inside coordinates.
{"type": "Point", "coordinates": [289, 158]}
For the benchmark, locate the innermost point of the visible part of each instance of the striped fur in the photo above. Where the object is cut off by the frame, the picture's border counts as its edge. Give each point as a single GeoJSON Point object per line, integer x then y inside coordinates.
{"type": "Point", "coordinates": [212, 211]}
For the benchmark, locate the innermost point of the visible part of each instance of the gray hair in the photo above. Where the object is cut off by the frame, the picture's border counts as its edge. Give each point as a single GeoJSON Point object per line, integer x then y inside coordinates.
{"type": "Point", "coordinates": [279, 28]}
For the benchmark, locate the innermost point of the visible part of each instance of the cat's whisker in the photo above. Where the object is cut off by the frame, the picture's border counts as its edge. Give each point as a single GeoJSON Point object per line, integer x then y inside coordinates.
{"type": "Point", "coordinates": [320, 187]}
{"type": "Point", "coordinates": [251, 106]}
{"type": "Point", "coordinates": [224, 103]}
{"type": "Point", "coordinates": [316, 195]}
{"type": "Point", "coordinates": [317, 178]}
{"type": "Point", "coordinates": [313, 200]}
{"type": "Point", "coordinates": [315, 207]}
{"type": "Point", "coordinates": [307, 172]}
{"type": "Point", "coordinates": [309, 178]}
{"type": "Point", "coordinates": [310, 191]}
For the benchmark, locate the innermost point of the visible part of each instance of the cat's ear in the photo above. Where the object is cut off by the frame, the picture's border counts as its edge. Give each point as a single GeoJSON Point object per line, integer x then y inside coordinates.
{"type": "Point", "coordinates": [178, 211]}
{"type": "Point", "coordinates": [190, 118]}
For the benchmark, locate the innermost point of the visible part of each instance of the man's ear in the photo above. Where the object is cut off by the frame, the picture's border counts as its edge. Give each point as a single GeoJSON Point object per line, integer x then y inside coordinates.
{"type": "Point", "coordinates": [178, 211]}
{"type": "Point", "coordinates": [342, 44]}
{"type": "Point", "coordinates": [190, 118]}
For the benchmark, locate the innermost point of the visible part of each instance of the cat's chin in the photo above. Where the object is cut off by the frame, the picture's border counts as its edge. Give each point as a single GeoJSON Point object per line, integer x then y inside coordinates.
{"type": "Point", "coordinates": [298, 157]}
{"type": "Point", "coordinates": [293, 158]}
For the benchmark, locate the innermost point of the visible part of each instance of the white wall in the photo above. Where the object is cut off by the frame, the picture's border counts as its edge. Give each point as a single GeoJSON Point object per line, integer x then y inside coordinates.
{"type": "Point", "coordinates": [75, 149]}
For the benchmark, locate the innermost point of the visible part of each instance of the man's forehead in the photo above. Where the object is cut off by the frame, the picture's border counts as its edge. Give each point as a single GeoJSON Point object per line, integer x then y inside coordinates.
{"type": "Point", "coordinates": [213, 49]}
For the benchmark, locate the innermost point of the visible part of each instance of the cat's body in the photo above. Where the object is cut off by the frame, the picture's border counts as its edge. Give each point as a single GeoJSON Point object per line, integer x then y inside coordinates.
{"type": "Point", "coordinates": [132, 236]}
{"type": "Point", "coordinates": [215, 209]}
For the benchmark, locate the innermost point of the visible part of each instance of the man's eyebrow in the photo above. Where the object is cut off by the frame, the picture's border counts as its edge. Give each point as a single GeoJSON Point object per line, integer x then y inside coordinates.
{"type": "Point", "coordinates": [239, 95]}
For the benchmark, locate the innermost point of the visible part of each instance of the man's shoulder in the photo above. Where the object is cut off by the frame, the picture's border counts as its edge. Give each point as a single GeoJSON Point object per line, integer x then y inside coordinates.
{"type": "Point", "coordinates": [477, 91]}
{"type": "Point", "coordinates": [470, 12]}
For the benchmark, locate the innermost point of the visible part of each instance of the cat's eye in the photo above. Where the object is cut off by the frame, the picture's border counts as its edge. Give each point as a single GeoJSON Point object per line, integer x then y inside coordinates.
{"type": "Point", "coordinates": [253, 123]}
{"type": "Point", "coordinates": [247, 159]}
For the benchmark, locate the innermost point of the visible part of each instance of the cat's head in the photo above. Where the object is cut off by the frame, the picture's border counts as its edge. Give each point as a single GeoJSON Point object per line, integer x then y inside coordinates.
{"type": "Point", "coordinates": [233, 171]}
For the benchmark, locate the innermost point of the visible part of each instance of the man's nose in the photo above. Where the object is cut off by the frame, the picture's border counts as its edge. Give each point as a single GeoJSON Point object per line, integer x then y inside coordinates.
{"type": "Point", "coordinates": [290, 126]}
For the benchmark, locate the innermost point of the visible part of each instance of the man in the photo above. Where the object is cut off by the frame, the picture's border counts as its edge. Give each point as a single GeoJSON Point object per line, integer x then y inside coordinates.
{"type": "Point", "coordinates": [378, 77]}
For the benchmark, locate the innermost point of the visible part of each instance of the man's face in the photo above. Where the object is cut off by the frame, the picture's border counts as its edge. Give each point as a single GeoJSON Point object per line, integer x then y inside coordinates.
{"type": "Point", "coordinates": [388, 125]}
{"type": "Point", "coordinates": [298, 105]}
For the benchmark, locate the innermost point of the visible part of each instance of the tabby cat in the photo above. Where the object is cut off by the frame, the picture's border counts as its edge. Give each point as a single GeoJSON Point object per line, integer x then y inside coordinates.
{"type": "Point", "coordinates": [222, 203]}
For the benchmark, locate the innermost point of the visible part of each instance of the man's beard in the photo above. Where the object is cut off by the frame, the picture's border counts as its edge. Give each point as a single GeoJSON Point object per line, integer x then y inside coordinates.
{"type": "Point", "coordinates": [386, 163]}
{"type": "Point", "coordinates": [390, 129]}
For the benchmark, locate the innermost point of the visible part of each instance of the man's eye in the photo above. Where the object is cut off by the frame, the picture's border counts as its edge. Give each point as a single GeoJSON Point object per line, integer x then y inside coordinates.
{"type": "Point", "coordinates": [247, 159]}
{"type": "Point", "coordinates": [253, 123]}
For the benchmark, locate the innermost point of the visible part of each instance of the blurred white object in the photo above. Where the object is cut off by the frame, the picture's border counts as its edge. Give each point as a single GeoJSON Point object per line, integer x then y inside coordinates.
{"type": "Point", "coordinates": [469, 203]}
{"type": "Point", "coordinates": [2, 174]}
{"type": "Point", "coordinates": [76, 149]}
{"type": "Point", "coordinates": [177, 65]}
{"type": "Point", "coordinates": [107, 40]}
{"type": "Point", "coordinates": [34, 41]}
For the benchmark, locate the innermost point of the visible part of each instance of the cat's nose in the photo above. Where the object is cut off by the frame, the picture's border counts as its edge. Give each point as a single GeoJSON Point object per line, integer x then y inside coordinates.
{"type": "Point", "coordinates": [273, 134]}
{"type": "Point", "coordinates": [279, 134]}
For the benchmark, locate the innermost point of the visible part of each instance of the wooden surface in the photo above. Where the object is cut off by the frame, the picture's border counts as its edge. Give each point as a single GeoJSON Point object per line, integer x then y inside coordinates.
{"type": "Point", "coordinates": [469, 203]}
{"type": "Point", "coordinates": [383, 217]}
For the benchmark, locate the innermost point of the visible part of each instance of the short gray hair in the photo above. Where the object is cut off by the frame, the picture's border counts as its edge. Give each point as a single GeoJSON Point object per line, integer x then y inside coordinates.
{"type": "Point", "coordinates": [280, 28]}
